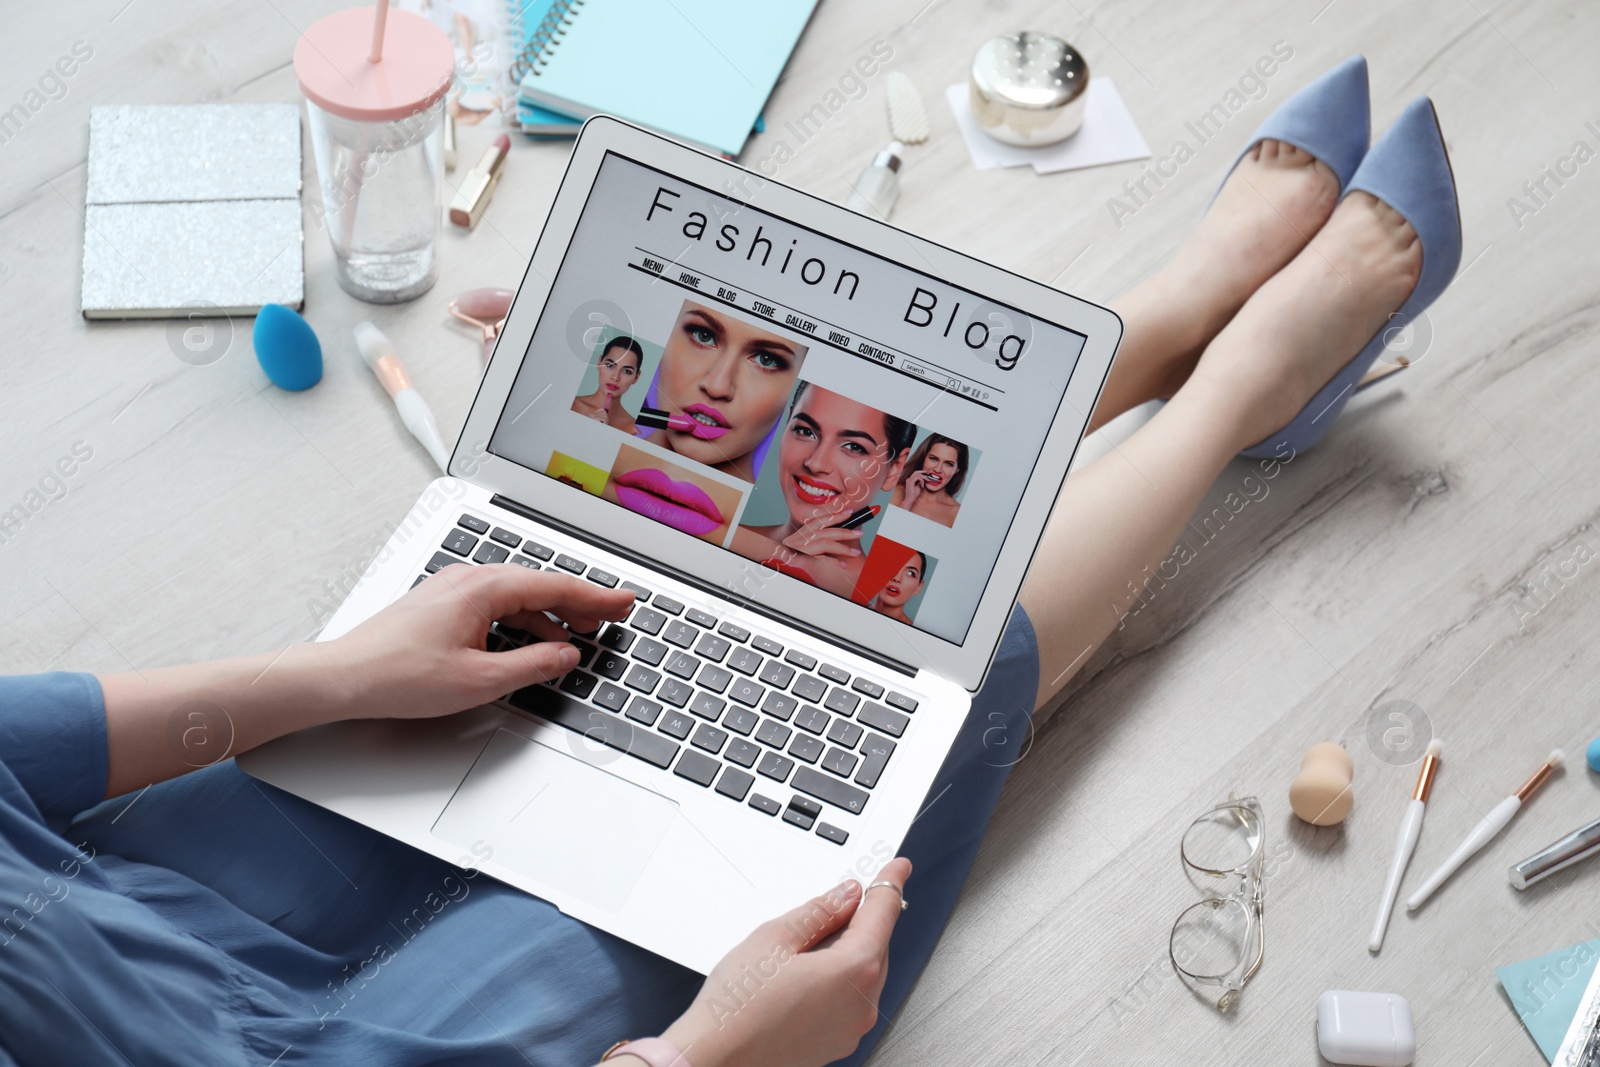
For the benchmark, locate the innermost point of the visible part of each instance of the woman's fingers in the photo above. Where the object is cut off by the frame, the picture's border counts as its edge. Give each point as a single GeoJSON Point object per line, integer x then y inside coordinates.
{"type": "Point", "coordinates": [505, 672]}
{"type": "Point", "coordinates": [820, 917]}
{"type": "Point", "coordinates": [505, 591]}
{"type": "Point", "coordinates": [880, 910]}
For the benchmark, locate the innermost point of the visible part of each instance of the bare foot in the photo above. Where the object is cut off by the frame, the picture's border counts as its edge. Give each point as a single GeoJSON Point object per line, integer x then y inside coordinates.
{"type": "Point", "coordinates": [1268, 209]}
{"type": "Point", "coordinates": [1312, 317]}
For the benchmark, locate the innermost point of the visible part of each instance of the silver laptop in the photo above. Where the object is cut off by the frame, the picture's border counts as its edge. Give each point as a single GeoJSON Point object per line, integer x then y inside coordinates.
{"type": "Point", "coordinates": [820, 452]}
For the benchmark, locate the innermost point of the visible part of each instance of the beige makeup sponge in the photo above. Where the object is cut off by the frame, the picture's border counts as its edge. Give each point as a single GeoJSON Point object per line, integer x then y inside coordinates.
{"type": "Point", "coordinates": [1320, 794]}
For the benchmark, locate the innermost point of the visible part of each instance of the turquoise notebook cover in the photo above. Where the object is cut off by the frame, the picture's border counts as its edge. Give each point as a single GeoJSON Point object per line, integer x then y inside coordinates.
{"type": "Point", "coordinates": [698, 70]}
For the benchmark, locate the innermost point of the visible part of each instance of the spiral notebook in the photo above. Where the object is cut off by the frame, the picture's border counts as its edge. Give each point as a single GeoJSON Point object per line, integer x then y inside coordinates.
{"type": "Point", "coordinates": [696, 70]}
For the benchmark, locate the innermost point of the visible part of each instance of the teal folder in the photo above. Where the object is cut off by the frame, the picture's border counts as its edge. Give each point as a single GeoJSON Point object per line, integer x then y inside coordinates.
{"type": "Point", "coordinates": [696, 70]}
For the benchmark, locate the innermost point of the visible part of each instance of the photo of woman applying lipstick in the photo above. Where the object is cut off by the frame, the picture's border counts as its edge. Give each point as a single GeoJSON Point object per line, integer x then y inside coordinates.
{"type": "Point", "coordinates": [834, 455]}
{"type": "Point", "coordinates": [672, 495]}
{"type": "Point", "coordinates": [894, 598]}
{"type": "Point", "coordinates": [617, 369]}
{"type": "Point", "coordinates": [720, 390]}
{"type": "Point", "coordinates": [933, 476]}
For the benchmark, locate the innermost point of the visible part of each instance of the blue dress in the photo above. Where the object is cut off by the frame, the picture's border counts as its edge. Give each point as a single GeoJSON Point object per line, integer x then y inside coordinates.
{"type": "Point", "coordinates": [215, 920]}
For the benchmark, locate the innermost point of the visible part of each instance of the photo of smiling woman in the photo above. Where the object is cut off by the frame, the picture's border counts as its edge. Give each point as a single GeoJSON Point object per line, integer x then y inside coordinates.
{"type": "Point", "coordinates": [720, 390]}
{"type": "Point", "coordinates": [834, 455]}
{"type": "Point", "coordinates": [932, 478]}
{"type": "Point", "coordinates": [618, 368]}
{"type": "Point", "coordinates": [675, 496]}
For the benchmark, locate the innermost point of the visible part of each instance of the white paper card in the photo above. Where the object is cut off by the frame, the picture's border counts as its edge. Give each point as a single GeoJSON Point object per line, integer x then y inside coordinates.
{"type": "Point", "coordinates": [1108, 135]}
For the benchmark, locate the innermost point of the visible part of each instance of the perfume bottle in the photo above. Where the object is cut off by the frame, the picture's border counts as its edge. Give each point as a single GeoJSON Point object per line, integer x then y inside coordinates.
{"type": "Point", "coordinates": [879, 184]}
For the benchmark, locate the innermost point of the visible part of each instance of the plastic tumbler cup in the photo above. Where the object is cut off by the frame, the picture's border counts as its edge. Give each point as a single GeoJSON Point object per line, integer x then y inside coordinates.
{"type": "Point", "coordinates": [375, 82]}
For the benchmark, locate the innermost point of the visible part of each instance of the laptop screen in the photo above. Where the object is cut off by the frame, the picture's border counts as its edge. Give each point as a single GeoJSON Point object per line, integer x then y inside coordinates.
{"type": "Point", "coordinates": [834, 417]}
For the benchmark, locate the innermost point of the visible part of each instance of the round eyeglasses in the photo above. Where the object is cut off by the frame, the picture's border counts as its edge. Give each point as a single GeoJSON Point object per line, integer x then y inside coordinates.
{"type": "Point", "coordinates": [1217, 943]}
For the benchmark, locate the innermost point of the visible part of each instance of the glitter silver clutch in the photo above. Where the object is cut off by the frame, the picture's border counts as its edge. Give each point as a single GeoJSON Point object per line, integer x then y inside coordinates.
{"type": "Point", "coordinates": [192, 209]}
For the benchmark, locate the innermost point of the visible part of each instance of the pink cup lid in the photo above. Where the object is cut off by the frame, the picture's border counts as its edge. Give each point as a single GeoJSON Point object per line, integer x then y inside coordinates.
{"type": "Point", "coordinates": [331, 61]}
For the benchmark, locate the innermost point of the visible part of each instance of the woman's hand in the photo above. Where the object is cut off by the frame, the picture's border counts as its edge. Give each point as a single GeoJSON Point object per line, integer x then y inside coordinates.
{"type": "Point", "coordinates": [424, 654]}
{"type": "Point", "coordinates": [819, 538]}
{"type": "Point", "coordinates": [803, 989]}
{"type": "Point", "coordinates": [915, 485]}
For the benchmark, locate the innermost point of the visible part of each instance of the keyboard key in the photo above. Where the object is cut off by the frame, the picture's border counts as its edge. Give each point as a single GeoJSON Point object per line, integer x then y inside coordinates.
{"type": "Point", "coordinates": [765, 805]}
{"type": "Point", "coordinates": [609, 665]}
{"type": "Point", "coordinates": [805, 747]}
{"type": "Point", "coordinates": [841, 701]}
{"type": "Point", "coordinates": [585, 650]}
{"type": "Point", "coordinates": [611, 697]}
{"type": "Point", "coordinates": [605, 578]}
{"type": "Point", "coordinates": [617, 637]}
{"type": "Point", "coordinates": [460, 542]}
{"type": "Point", "coordinates": [440, 561]}
{"type": "Point", "coordinates": [777, 675]}
{"type": "Point", "coordinates": [584, 633]}
{"type": "Point", "coordinates": [639, 591]}
{"type": "Point", "coordinates": [845, 733]}
{"type": "Point", "coordinates": [735, 783]}
{"type": "Point", "coordinates": [648, 620]}
{"type": "Point", "coordinates": [537, 551]}
{"type": "Point", "coordinates": [681, 634]}
{"type": "Point", "coordinates": [473, 523]}
{"type": "Point", "coordinates": [836, 675]}
{"type": "Point", "coordinates": [676, 724]}
{"type": "Point", "coordinates": [869, 689]}
{"type": "Point", "coordinates": [697, 768]}
{"type": "Point", "coordinates": [779, 706]}
{"type": "Point", "coordinates": [772, 733]}
{"type": "Point", "coordinates": [505, 537]}
{"type": "Point", "coordinates": [675, 692]}
{"type": "Point", "coordinates": [712, 648]}
{"type": "Point", "coordinates": [642, 678]}
{"type": "Point", "coordinates": [700, 618]}
{"type": "Point", "coordinates": [742, 659]}
{"type": "Point", "coordinates": [742, 752]}
{"type": "Point", "coordinates": [648, 651]}
{"type": "Point", "coordinates": [525, 561]}
{"type": "Point", "coordinates": [799, 818]}
{"type": "Point", "coordinates": [806, 806]}
{"type": "Point", "coordinates": [775, 766]}
{"type": "Point", "coordinates": [682, 664]}
{"type": "Point", "coordinates": [881, 718]}
{"type": "Point", "coordinates": [595, 724]}
{"type": "Point", "coordinates": [839, 762]}
{"type": "Point", "coordinates": [811, 719]}
{"type": "Point", "coordinates": [712, 739]}
{"type": "Point", "coordinates": [667, 604]}
{"type": "Point", "coordinates": [733, 633]}
{"type": "Point", "coordinates": [810, 687]}
{"type": "Point", "coordinates": [714, 678]}
{"type": "Point", "coordinates": [741, 721]}
{"type": "Point", "coordinates": [645, 711]}
{"type": "Point", "coordinates": [767, 645]}
{"type": "Point", "coordinates": [829, 832]}
{"type": "Point", "coordinates": [901, 701]}
{"type": "Point", "coordinates": [875, 752]}
{"type": "Point", "coordinates": [420, 579]}
{"type": "Point", "coordinates": [800, 659]}
{"type": "Point", "coordinates": [707, 706]}
{"type": "Point", "coordinates": [826, 787]}
{"type": "Point", "coordinates": [746, 692]}
{"type": "Point", "coordinates": [579, 684]}
{"type": "Point", "coordinates": [568, 563]}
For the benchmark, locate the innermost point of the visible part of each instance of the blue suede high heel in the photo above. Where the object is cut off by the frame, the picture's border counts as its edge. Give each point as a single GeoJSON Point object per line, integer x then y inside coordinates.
{"type": "Point", "coordinates": [1331, 119]}
{"type": "Point", "coordinates": [1408, 169]}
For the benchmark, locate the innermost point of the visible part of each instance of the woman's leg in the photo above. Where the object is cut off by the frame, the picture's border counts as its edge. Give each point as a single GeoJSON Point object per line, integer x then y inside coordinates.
{"type": "Point", "coordinates": [1123, 512]}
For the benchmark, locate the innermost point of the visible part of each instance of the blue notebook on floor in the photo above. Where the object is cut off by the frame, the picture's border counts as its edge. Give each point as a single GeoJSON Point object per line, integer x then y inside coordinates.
{"type": "Point", "coordinates": [696, 70]}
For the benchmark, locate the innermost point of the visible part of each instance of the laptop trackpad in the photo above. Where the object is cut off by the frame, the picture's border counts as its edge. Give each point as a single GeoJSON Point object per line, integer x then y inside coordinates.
{"type": "Point", "coordinates": [557, 819]}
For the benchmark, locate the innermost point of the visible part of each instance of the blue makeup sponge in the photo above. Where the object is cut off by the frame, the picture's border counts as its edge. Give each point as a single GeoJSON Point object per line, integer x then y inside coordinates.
{"type": "Point", "coordinates": [287, 348]}
{"type": "Point", "coordinates": [1594, 754]}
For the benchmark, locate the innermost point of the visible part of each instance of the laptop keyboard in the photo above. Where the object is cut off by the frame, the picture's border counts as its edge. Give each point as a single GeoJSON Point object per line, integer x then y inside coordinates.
{"type": "Point", "coordinates": [770, 727]}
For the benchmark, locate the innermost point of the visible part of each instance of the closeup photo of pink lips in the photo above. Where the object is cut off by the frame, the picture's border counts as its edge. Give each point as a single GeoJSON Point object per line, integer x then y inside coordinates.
{"type": "Point", "coordinates": [708, 427]}
{"type": "Point", "coordinates": [681, 505]}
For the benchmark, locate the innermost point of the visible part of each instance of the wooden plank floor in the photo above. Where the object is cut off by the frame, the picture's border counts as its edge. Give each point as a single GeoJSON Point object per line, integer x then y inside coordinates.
{"type": "Point", "coordinates": [1438, 550]}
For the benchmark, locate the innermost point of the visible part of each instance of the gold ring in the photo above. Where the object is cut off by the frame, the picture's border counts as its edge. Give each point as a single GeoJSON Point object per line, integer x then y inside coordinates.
{"type": "Point", "coordinates": [904, 904]}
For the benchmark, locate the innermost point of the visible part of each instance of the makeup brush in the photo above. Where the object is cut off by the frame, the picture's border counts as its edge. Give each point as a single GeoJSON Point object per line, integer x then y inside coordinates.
{"type": "Point", "coordinates": [1410, 830]}
{"type": "Point", "coordinates": [1486, 829]}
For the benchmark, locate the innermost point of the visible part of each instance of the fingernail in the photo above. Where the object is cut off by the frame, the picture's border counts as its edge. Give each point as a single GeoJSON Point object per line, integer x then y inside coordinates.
{"type": "Point", "coordinates": [848, 888]}
{"type": "Point", "coordinates": [569, 658]}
